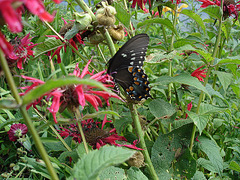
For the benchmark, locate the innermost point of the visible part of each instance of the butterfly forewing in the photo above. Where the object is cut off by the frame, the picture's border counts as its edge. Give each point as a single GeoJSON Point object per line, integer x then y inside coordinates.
{"type": "Point", "coordinates": [132, 53]}
{"type": "Point", "coordinates": [125, 67]}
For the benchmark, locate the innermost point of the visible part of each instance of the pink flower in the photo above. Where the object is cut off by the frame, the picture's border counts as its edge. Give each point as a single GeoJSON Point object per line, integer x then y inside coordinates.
{"type": "Point", "coordinates": [189, 107]}
{"type": "Point", "coordinates": [12, 15]}
{"type": "Point", "coordinates": [147, 11]}
{"type": "Point", "coordinates": [199, 73]}
{"type": "Point", "coordinates": [74, 95]}
{"type": "Point", "coordinates": [22, 50]}
{"type": "Point", "coordinates": [96, 136]}
{"type": "Point", "coordinates": [17, 131]}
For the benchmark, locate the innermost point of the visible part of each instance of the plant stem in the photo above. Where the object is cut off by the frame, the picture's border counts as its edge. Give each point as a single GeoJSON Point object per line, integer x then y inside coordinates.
{"type": "Point", "coordinates": [101, 53]}
{"type": "Point", "coordinates": [109, 42]}
{"type": "Point", "coordinates": [26, 117]}
{"type": "Point", "coordinates": [78, 120]}
{"type": "Point", "coordinates": [201, 97]}
{"type": "Point", "coordinates": [85, 8]}
{"type": "Point", "coordinates": [142, 143]}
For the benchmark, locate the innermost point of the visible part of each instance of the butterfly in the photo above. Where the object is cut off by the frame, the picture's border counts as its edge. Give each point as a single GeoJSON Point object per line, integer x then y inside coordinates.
{"type": "Point", "coordinates": [126, 67]}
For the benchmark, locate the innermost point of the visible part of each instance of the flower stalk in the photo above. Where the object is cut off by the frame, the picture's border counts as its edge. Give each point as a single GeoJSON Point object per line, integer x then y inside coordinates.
{"type": "Point", "coordinates": [142, 143]}
{"type": "Point", "coordinates": [202, 95]}
{"type": "Point", "coordinates": [26, 117]}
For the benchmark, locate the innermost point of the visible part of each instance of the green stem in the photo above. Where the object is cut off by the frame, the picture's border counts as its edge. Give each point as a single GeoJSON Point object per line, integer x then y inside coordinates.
{"type": "Point", "coordinates": [142, 143]}
{"type": "Point", "coordinates": [109, 42]}
{"type": "Point", "coordinates": [26, 117]}
{"type": "Point", "coordinates": [101, 53]}
{"type": "Point", "coordinates": [72, 7]}
{"type": "Point", "coordinates": [85, 8]}
{"type": "Point", "coordinates": [202, 95]}
{"type": "Point", "coordinates": [78, 120]}
{"type": "Point", "coordinates": [55, 131]}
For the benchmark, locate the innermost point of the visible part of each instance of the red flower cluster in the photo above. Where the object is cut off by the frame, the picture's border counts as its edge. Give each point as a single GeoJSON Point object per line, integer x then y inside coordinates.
{"type": "Point", "coordinates": [96, 136]}
{"type": "Point", "coordinates": [199, 73]}
{"type": "Point", "coordinates": [22, 50]}
{"type": "Point", "coordinates": [17, 131]}
{"type": "Point", "coordinates": [74, 95]}
{"type": "Point", "coordinates": [11, 12]}
{"type": "Point", "coordinates": [229, 6]}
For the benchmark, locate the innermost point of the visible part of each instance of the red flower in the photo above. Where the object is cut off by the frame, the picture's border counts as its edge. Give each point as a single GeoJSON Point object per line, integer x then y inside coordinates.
{"type": "Point", "coordinates": [229, 7]}
{"type": "Point", "coordinates": [96, 136]}
{"type": "Point", "coordinates": [76, 39]}
{"type": "Point", "coordinates": [74, 95]}
{"type": "Point", "coordinates": [12, 15]}
{"type": "Point", "coordinates": [198, 73]}
{"type": "Point", "coordinates": [189, 107]}
{"type": "Point", "coordinates": [17, 131]}
{"type": "Point", "coordinates": [141, 3]}
{"type": "Point", "coordinates": [5, 46]}
{"type": "Point", "coordinates": [22, 50]}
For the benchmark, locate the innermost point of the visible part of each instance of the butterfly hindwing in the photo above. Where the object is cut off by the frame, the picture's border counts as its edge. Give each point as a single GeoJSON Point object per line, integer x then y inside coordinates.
{"type": "Point", "coordinates": [126, 67]}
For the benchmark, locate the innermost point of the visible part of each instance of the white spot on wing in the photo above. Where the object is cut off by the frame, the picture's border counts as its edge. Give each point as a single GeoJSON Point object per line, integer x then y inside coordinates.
{"type": "Point", "coordinates": [124, 55]}
{"type": "Point", "coordinates": [131, 63]}
{"type": "Point", "coordinates": [133, 58]}
{"type": "Point", "coordinates": [132, 51]}
{"type": "Point", "coordinates": [133, 54]}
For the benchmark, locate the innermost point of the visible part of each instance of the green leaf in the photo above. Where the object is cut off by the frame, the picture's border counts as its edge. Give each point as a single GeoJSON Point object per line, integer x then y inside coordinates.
{"type": "Point", "coordinates": [135, 173]}
{"type": "Point", "coordinates": [208, 108]}
{"type": "Point", "coordinates": [53, 144]}
{"type": "Point", "coordinates": [199, 176]}
{"type": "Point", "coordinates": [234, 166]}
{"type": "Point", "coordinates": [8, 104]}
{"type": "Point", "coordinates": [121, 123]}
{"type": "Point", "coordinates": [233, 60]}
{"type": "Point", "coordinates": [212, 150]}
{"type": "Point", "coordinates": [91, 165]}
{"type": "Point", "coordinates": [206, 164]}
{"type": "Point", "coordinates": [195, 17]}
{"type": "Point", "coordinates": [183, 79]}
{"type": "Point", "coordinates": [236, 89]}
{"type": "Point", "coordinates": [212, 92]}
{"type": "Point", "coordinates": [122, 15]}
{"type": "Point", "coordinates": [96, 114]}
{"type": "Point", "coordinates": [165, 22]}
{"type": "Point", "coordinates": [73, 154]}
{"type": "Point", "coordinates": [206, 55]}
{"type": "Point", "coordinates": [183, 42]}
{"type": "Point", "coordinates": [199, 120]}
{"type": "Point", "coordinates": [160, 108]}
{"type": "Point", "coordinates": [167, 149]}
{"type": "Point", "coordinates": [48, 45]}
{"type": "Point", "coordinates": [113, 173]}
{"type": "Point", "coordinates": [226, 27]}
{"type": "Point", "coordinates": [213, 11]}
{"type": "Point", "coordinates": [224, 78]}
{"type": "Point", "coordinates": [83, 20]}
{"type": "Point", "coordinates": [52, 84]}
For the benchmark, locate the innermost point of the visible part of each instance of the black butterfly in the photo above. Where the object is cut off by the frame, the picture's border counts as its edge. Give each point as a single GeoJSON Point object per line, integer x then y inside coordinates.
{"type": "Point", "coordinates": [126, 67]}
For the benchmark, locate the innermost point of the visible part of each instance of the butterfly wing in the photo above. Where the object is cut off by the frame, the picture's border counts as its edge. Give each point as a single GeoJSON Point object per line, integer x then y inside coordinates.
{"type": "Point", "coordinates": [125, 67]}
{"type": "Point", "coordinates": [132, 53]}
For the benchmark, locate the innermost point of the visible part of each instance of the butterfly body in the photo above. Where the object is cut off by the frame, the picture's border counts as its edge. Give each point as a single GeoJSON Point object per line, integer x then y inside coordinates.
{"type": "Point", "coordinates": [126, 67]}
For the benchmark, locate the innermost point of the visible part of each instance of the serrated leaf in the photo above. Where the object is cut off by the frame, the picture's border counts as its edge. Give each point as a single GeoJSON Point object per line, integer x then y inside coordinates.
{"type": "Point", "coordinates": [206, 55]}
{"type": "Point", "coordinates": [122, 15]}
{"type": "Point", "coordinates": [199, 176]}
{"type": "Point", "coordinates": [113, 173]}
{"type": "Point", "coordinates": [224, 78]}
{"type": "Point", "coordinates": [8, 104]}
{"type": "Point", "coordinates": [91, 165]}
{"type": "Point", "coordinates": [160, 108]}
{"type": "Point", "coordinates": [199, 120]}
{"type": "Point", "coordinates": [165, 22]}
{"type": "Point", "coordinates": [96, 114]}
{"type": "Point", "coordinates": [52, 84]}
{"type": "Point", "coordinates": [135, 173]}
{"type": "Point", "coordinates": [167, 149]}
{"type": "Point", "coordinates": [213, 11]}
{"type": "Point", "coordinates": [234, 166]}
{"type": "Point", "coordinates": [48, 45]}
{"type": "Point", "coordinates": [208, 108]}
{"type": "Point", "coordinates": [183, 79]}
{"type": "Point", "coordinates": [212, 150]}
{"type": "Point", "coordinates": [195, 17]}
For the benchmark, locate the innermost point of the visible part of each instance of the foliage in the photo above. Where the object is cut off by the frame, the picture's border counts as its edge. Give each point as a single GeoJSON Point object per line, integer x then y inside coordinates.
{"type": "Point", "coordinates": [189, 129]}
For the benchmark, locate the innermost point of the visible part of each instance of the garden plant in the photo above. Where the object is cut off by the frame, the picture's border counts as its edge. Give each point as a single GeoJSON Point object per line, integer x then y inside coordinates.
{"type": "Point", "coordinates": [119, 89]}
